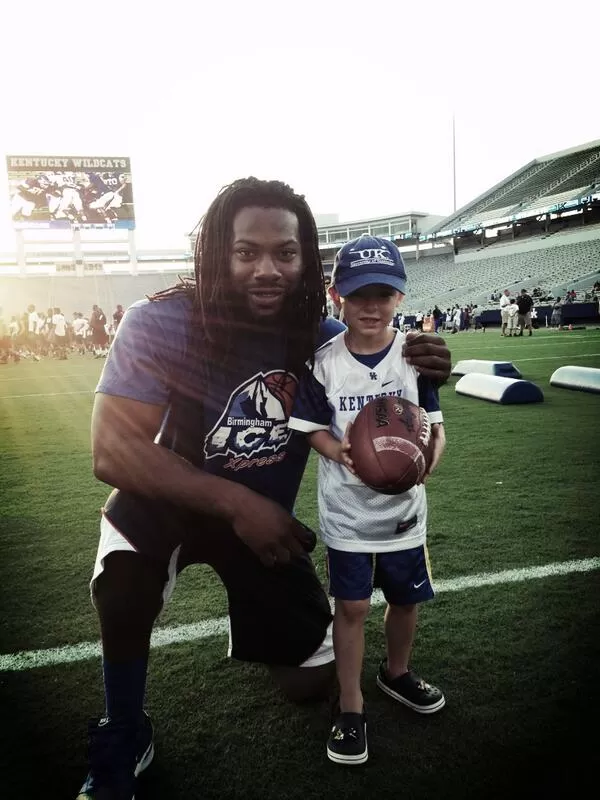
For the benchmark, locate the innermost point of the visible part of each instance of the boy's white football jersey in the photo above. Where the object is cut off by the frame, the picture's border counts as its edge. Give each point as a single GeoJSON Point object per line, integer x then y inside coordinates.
{"type": "Point", "coordinates": [352, 516]}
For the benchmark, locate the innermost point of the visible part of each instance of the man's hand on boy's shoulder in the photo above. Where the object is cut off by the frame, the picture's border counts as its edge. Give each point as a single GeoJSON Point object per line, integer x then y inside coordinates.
{"type": "Point", "coordinates": [429, 354]}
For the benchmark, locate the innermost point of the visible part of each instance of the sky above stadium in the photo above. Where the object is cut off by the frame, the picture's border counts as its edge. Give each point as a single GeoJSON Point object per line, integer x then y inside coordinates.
{"type": "Point", "coordinates": [349, 102]}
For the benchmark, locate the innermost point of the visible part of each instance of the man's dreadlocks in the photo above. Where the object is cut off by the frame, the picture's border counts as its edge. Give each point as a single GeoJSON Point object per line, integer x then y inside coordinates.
{"type": "Point", "coordinates": [211, 292]}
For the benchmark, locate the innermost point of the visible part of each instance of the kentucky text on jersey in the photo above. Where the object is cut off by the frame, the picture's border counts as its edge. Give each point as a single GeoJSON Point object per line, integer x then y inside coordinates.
{"type": "Point", "coordinates": [358, 401]}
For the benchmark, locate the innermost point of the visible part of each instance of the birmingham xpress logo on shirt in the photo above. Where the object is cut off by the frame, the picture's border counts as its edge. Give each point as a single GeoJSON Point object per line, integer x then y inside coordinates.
{"type": "Point", "coordinates": [253, 429]}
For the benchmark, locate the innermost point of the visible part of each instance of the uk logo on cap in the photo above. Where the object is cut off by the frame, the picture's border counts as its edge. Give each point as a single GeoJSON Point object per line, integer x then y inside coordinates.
{"type": "Point", "coordinates": [365, 261]}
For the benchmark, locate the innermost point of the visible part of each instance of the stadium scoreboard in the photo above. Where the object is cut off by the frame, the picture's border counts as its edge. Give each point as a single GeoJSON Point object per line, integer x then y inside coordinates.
{"type": "Point", "coordinates": [70, 192]}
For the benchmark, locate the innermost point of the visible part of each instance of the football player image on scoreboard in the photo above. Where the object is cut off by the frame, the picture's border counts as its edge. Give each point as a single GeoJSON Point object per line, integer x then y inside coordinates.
{"type": "Point", "coordinates": [69, 204]}
{"type": "Point", "coordinates": [95, 196]}
{"type": "Point", "coordinates": [30, 193]}
{"type": "Point", "coordinates": [102, 200]}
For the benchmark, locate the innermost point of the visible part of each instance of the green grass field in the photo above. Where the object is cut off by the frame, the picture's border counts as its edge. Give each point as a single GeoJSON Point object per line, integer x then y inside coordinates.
{"type": "Point", "coordinates": [518, 661]}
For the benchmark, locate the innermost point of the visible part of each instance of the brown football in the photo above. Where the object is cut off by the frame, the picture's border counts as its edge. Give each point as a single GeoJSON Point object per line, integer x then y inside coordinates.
{"type": "Point", "coordinates": [390, 440]}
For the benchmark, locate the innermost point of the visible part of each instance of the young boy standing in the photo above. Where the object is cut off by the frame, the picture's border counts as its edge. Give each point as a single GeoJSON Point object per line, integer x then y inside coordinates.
{"type": "Point", "coordinates": [358, 524]}
{"type": "Point", "coordinates": [512, 312]}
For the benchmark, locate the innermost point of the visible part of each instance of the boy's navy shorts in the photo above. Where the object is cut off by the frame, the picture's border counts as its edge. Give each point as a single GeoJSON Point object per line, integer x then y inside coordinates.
{"type": "Point", "coordinates": [404, 576]}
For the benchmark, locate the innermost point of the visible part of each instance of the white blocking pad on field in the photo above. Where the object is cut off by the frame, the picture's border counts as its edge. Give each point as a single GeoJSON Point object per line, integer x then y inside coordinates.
{"type": "Point", "coordinates": [582, 379]}
{"type": "Point", "coordinates": [499, 390]}
{"type": "Point", "coordinates": [504, 369]}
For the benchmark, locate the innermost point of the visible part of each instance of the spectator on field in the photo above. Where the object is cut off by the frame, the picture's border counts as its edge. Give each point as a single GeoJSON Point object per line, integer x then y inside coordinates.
{"type": "Point", "coordinates": [79, 326]}
{"type": "Point", "coordinates": [466, 318]}
{"type": "Point", "coordinates": [117, 317]}
{"type": "Point", "coordinates": [504, 303]}
{"type": "Point", "coordinates": [13, 330]}
{"type": "Point", "coordinates": [512, 313]}
{"type": "Point", "coordinates": [32, 331]}
{"type": "Point", "coordinates": [8, 343]}
{"type": "Point", "coordinates": [419, 322]}
{"type": "Point", "coordinates": [525, 304]}
{"type": "Point", "coordinates": [99, 335]}
{"type": "Point", "coordinates": [479, 321]}
{"type": "Point", "coordinates": [534, 318]}
{"type": "Point", "coordinates": [59, 326]}
{"type": "Point", "coordinates": [437, 318]}
{"type": "Point", "coordinates": [43, 330]}
{"type": "Point", "coordinates": [456, 320]}
{"type": "Point", "coordinates": [556, 318]}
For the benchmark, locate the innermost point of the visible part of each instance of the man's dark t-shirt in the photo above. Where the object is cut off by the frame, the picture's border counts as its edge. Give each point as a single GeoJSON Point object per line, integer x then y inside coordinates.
{"type": "Point", "coordinates": [524, 303]}
{"type": "Point", "coordinates": [230, 420]}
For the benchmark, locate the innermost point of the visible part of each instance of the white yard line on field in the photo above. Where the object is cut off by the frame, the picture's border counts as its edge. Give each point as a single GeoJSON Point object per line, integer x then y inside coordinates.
{"type": "Point", "coordinates": [54, 656]}
{"type": "Point", "coordinates": [504, 345]}
{"type": "Point", "coordinates": [554, 358]}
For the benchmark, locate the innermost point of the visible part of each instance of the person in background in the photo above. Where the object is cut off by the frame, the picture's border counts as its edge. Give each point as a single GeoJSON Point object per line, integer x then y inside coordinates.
{"type": "Point", "coordinates": [59, 327]}
{"type": "Point", "coordinates": [512, 312]}
{"type": "Point", "coordinates": [556, 318]}
{"type": "Point", "coordinates": [504, 303]}
{"type": "Point", "coordinates": [534, 318]}
{"type": "Point", "coordinates": [524, 304]}
{"type": "Point", "coordinates": [99, 334]}
{"type": "Point", "coordinates": [117, 317]}
{"type": "Point", "coordinates": [456, 320]}
{"type": "Point", "coordinates": [79, 326]}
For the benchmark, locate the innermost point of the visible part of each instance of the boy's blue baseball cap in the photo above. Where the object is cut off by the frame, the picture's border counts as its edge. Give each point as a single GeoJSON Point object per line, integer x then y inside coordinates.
{"type": "Point", "coordinates": [365, 261]}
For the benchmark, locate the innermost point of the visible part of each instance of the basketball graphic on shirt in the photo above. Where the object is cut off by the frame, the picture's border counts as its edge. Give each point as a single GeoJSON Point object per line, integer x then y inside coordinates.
{"type": "Point", "coordinates": [283, 386]}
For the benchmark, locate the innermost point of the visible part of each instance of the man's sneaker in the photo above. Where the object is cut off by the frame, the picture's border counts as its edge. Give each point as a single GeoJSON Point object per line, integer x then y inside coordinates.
{"type": "Point", "coordinates": [117, 754]}
{"type": "Point", "coordinates": [347, 743]}
{"type": "Point", "coordinates": [414, 692]}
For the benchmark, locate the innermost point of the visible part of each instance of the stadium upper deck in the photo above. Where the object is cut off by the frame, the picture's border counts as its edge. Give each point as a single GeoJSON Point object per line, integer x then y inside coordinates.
{"type": "Point", "coordinates": [550, 184]}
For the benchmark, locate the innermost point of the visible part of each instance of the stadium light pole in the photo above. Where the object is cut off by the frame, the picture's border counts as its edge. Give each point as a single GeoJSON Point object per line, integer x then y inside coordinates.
{"type": "Point", "coordinates": [454, 161]}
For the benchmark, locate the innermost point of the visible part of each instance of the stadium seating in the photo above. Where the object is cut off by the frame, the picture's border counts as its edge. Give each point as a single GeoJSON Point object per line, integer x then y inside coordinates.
{"type": "Point", "coordinates": [548, 182]}
{"type": "Point", "coordinates": [447, 281]}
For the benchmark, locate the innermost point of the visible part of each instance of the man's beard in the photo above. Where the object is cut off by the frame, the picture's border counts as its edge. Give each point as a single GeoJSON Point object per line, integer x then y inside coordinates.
{"type": "Point", "coordinates": [241, 311]}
